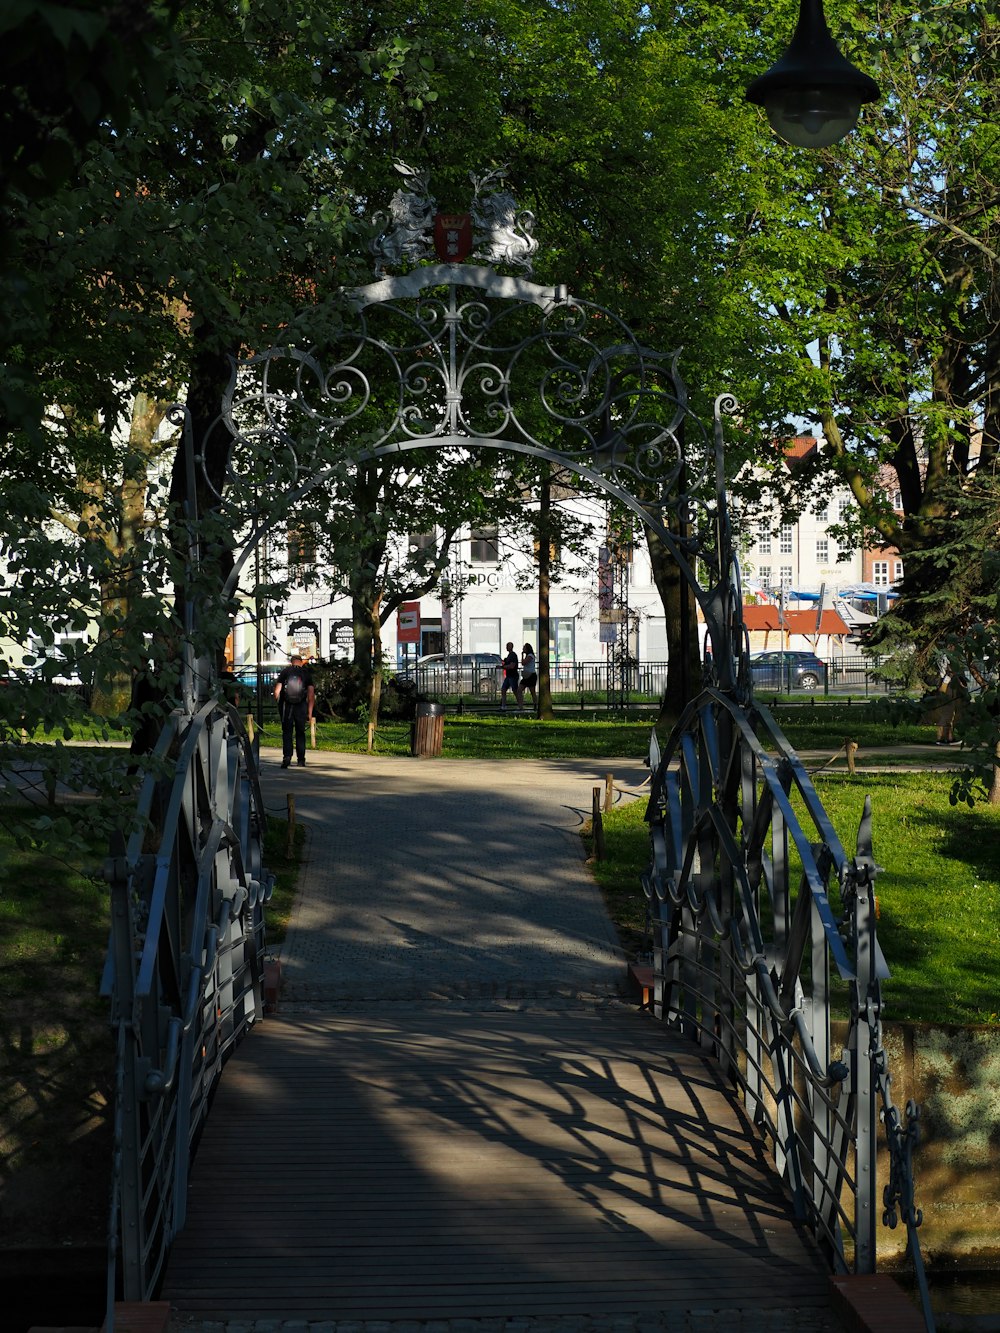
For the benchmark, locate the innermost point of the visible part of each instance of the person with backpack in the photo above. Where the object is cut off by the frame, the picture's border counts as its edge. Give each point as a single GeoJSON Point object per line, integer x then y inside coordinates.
{"type": "Point", "coordinates": [296, 698]}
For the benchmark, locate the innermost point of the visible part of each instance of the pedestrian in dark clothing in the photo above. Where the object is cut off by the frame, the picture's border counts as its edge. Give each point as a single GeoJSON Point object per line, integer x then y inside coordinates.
{"type": "Point", "coordinates": [511, 666]}
{"type": "Point", "coordinates": [296, 696]}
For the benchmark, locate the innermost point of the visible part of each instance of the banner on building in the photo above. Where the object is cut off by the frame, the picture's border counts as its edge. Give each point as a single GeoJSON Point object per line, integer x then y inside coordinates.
{"type": "Point", "coordinates": [342, 639]}
{"type": "Point", "coordinates": [304, 638]}
{"type": "Point", "coordinates": [605, 580]}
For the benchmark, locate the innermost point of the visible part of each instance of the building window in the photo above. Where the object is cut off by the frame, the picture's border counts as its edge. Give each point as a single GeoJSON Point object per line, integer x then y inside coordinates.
{"type": "Point", "coordinates": [654, 645]}
{"type": "Point", "coordinates": [421, 541]}
{"type": "Point", "coordinates": [897, 500]}
{"type": "Point", "coordinates": [301, 549]}
{"type": "Point", "coordinates": [897, 571]}
{"type": "Point", "coordinates": [765, 577]}
{"type": "Point", "coordinates": [484, 549]}
{"type": "Point", "coordinates": [484, 634]}
{"type": "Point", "coordinates": [785, 540]}
{"type": "Point", "coordinates": [822, 551]}
{"type": "Point", "coordinates": [562, 637]}
{"type": "Point", "coordinates": [764, 539]}
{"type": "Point", "coordinates": [846, 509]}
{"type": "Point", "coordinates": [880, 573]}
{"type": "Point", "coordinates": [553, 551]}
{"type": "Point", "coordinates": [641, 573]}
{"type": "Point", "coordinates": [785, 576]}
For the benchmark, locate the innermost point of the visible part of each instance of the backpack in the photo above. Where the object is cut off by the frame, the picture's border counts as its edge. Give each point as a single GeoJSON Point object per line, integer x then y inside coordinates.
{"type": "Point", "coordinates": [294, 689]}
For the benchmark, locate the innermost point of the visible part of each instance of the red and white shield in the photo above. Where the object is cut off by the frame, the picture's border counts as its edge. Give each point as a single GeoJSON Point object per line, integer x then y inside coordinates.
{"type": "Point", "coordinates": [452, 236]}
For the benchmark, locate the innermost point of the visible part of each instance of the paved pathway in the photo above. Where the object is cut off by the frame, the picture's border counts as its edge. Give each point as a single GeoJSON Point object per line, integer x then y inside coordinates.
{"type": "Point", "coordinates": [436, 879]}
{"type": "Point", "coordinates": [449, 947]}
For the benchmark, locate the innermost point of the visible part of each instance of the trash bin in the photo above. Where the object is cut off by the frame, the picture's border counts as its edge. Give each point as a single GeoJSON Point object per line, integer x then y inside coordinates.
{"type": "Point", "coordinates": [427, 732]}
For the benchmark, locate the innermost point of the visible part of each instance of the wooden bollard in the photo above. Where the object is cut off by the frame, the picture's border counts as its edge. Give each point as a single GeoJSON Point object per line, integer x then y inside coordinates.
{"type": "Point", "coordinates": [609, 792]}
{"type": "Point", "coordinates": [272, 984]}
{"type": "Point", "coordinates": [598, 826]}
{"type": "Point", "coordinates": [290, 844]}
{"type": "Point", "coordinates": [851, 749]}
{"type": "Point", "coordinates": [250, 725]}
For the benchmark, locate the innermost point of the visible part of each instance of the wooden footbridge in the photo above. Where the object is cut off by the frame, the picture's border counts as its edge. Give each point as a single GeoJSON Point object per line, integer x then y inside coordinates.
{"type": "Point", "coordinates": [401, 1164]}
{"type": "Point", "coordinates": [452, 1114]}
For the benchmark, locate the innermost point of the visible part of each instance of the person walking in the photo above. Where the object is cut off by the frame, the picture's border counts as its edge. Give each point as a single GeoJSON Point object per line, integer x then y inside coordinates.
{"type": "Point", "coordinates": [529, 676]}
{"type": "Point", "coordinates": [510, 666]}
{"type": "Point", "coordinates": [296, 699]}
{"type": "Point", "coordinates": [954, 690]}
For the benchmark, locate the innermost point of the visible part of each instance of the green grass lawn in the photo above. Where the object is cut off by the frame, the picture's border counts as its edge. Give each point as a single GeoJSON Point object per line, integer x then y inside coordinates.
{"type": "Point", "coordinates": [522, 736]}
{"type": "Point", "coordinates": [56, 1080]}
{"type": "Point", "coordinates": [286, 874]}
{"type": "Point", "coordinates": [518, 736]}
{"type": "Point", "coordinates": [56, 1054]}
{"type": "Point", "coordinates": [809, 725]}
{"type": "Point", "coordinates": [819, 726]}
{"type": "Point", "coordinates": [938, 895]}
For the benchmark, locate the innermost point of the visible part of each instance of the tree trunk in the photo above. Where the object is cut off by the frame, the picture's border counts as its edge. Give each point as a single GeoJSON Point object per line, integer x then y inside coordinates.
{"type": "Point", "coordinates": [375, 687]}
{"type": "Point", "coordinates": [111, 694]}
{"type": "Point", "coordinates": [363, 633]}
{"type": "Point", "coordinates": [545, 709]}
{"type": "Point", "coordinates": [994, 794]}
{"type": "Point", "coordinates": [680, 611]}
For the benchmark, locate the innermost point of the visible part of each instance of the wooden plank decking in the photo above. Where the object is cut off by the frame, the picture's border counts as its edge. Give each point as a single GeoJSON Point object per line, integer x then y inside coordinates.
{"type": "Point", "coordinates": [398, 1164]}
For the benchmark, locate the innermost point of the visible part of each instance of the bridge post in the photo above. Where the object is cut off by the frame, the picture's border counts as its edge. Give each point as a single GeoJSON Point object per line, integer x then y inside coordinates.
{"type": "Point", "coordinates": [126, 1217]}
{"type": "Point", "coordinates": [864, 1080]}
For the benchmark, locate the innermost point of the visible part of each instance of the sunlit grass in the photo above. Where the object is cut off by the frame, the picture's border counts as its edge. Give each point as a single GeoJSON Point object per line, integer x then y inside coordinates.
{"type": "Point", "coordinates": [522, 736]}
{"type": "Point", "coordinates": [517, 736]}
{"type": "Point", "coordinates": [938, 893]}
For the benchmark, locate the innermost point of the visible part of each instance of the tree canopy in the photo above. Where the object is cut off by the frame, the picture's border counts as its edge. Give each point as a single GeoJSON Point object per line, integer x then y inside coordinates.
{"type": "Point", "coordinates": [225, 205]}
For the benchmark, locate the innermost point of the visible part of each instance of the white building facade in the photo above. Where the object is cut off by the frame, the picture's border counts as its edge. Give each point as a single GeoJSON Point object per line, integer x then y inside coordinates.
{"type": "Point", "coordinates": [488, 598]}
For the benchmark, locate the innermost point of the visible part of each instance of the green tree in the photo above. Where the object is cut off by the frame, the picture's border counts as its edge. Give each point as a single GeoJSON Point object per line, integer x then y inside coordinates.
{"type": "Point", "coordinates": [871, 267]}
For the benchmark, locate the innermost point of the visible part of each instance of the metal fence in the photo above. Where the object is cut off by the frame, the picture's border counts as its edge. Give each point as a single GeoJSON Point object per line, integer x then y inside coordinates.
{"type": "Point", "coordinates": [759, 919]}
{"type": "Point", "coordinates": [579, 682]}
{"type": "Point", "coordinates": [645, 682]}
{"type": "Point", "coordinates": [183, 973]}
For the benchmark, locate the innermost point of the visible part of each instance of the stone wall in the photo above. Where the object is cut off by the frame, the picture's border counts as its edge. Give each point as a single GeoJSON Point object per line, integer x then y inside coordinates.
{"type": "Point", "coordinates": [954, 1074]}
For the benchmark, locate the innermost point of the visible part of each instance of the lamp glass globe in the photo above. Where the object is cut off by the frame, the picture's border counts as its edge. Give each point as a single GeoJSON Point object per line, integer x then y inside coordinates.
{"type": "Point", "coordinates": [813, 117]}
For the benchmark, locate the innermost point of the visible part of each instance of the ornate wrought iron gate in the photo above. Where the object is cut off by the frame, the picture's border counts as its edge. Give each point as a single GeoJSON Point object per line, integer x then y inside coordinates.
{"type": "Point", "coordinates": [183, 972]}
{"type": "Point", "coordinates": [759, 913]}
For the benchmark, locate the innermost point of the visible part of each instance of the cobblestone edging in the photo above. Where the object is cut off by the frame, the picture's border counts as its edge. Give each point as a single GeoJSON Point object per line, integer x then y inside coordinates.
{"type": "Point", "coordinates": [474, 996]}
{"type": "Point", "coordinates": [681, 1321]}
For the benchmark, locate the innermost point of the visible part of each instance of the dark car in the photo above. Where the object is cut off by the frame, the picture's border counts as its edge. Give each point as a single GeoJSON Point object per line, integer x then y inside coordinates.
{"type": "Point", "coordinates": [787, 671]}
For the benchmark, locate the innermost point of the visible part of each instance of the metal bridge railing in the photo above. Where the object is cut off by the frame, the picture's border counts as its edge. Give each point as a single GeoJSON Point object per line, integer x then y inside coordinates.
{"type": "Point", "coordinates": [761, 923]}
{"type": "Point", "coordinates": [183, 973]}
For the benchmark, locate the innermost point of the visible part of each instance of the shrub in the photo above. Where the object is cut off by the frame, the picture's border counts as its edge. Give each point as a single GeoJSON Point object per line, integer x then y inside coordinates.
{"type": "Point", "coordinates": [342, 693]}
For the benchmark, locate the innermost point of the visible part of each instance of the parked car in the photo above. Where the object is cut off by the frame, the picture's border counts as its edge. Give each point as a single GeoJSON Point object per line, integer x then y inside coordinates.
{"type": "Point", "coordinates": [247, 674]}
{"type": "Point", "coordinates": [470, 673]}
{"type": "Point", "coordinates": [787, 671]}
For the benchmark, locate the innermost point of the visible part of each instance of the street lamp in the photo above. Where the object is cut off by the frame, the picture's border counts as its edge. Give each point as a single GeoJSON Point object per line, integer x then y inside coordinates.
{"type": "Point", "coordinates": [813, 95]}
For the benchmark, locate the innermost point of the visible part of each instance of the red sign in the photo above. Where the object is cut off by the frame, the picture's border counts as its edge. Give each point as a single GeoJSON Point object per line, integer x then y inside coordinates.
{"type": "Point", "coordinates": [408, 623]}
{"type": "Point", "coordinates": [452, 236]}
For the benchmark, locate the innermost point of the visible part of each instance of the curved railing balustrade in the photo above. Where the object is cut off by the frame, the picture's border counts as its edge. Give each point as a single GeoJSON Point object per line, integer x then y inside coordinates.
{"type": "Point", "coordinates": [184, 972]}
{"type": "Point", "coordinates": [749, 943]}
{"type": "Point", "coordinates": [761, 922]}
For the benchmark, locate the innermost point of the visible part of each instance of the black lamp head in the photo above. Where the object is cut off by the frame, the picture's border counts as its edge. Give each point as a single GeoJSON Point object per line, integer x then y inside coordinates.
{"type": "Point", "coordinates": [812, 95]}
